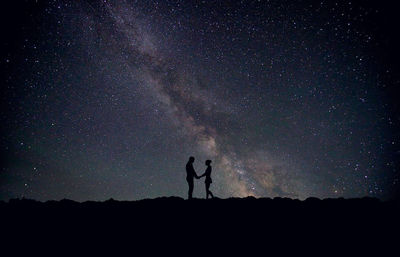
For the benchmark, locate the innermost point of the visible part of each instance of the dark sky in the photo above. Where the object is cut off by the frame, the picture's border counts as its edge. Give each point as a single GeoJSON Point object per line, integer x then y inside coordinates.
{"type": "Point", "coordinates": [108, 99]}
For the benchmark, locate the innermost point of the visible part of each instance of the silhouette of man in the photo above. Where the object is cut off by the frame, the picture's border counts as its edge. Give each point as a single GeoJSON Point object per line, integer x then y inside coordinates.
{"type": "Point", "coordinates": [190, 174]}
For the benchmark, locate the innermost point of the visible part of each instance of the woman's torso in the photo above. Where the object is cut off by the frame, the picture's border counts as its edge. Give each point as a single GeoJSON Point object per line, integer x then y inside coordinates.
{"type": "Point", "coordinates": [208, 175]}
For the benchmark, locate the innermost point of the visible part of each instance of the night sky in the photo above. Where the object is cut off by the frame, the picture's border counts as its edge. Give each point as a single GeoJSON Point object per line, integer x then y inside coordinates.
{"type": "Point", "coordinates": [108, 99]}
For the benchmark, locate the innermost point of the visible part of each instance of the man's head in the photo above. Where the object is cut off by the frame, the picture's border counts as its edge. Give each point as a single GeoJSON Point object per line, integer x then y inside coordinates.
{"type": "Point", "coordinates": [208, 162]}
{"type": "Point", "coordinates": [191, 159]}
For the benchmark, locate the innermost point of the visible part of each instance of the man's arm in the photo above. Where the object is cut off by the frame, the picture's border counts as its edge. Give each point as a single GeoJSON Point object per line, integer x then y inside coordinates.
{"type": "Point", "coordinates": [195, 175]}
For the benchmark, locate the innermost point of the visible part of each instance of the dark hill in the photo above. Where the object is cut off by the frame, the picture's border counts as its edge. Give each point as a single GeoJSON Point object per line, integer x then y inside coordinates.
{"type": "Point", "coordinates": [227, 224]}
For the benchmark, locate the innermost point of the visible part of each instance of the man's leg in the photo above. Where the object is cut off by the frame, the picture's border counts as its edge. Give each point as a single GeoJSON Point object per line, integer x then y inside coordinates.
{"type": "Point", "coordinates": [191, 184]}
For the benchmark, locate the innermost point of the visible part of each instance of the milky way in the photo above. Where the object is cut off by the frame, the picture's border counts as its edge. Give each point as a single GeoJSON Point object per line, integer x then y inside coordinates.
{"type": "Point", "coordinates": [108, 99]}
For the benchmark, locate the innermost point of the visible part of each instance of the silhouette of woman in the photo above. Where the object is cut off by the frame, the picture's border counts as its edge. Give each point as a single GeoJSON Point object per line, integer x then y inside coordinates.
{"type": "Point", "coordinates": [208, 180]}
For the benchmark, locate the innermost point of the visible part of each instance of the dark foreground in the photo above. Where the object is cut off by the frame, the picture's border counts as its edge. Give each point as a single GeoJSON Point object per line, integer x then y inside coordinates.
{"type": "Point", "coordinates": [226, 225]}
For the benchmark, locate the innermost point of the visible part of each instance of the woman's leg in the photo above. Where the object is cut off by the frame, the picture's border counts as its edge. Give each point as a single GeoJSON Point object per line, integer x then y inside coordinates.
{"type": "Point", "coordinates": [208, 190]}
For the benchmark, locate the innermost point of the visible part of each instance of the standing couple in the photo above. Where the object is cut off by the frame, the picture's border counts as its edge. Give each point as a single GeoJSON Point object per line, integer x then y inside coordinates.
{"type": "Point", "coordinates": [191, 174]}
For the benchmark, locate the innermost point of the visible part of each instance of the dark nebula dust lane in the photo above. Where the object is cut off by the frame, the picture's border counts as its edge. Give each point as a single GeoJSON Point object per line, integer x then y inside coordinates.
{"type": "Point", "coordinates": [108, 99]}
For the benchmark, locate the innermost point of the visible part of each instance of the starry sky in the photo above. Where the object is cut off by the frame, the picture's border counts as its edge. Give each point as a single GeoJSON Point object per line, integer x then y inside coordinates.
{"type": "Point", "coordinates": [108, 99]}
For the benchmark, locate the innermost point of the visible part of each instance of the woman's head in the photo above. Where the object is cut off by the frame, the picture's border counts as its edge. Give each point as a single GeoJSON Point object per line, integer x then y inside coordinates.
{"type": "Point", "coordinates": [208, 162]}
